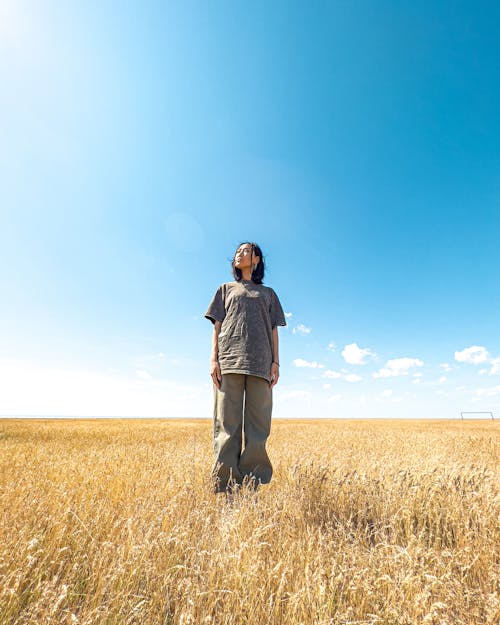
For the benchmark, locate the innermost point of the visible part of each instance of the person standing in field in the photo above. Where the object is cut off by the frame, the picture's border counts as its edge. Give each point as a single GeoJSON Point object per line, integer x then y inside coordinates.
{"type": "Point", "coordinates": [244, 367]}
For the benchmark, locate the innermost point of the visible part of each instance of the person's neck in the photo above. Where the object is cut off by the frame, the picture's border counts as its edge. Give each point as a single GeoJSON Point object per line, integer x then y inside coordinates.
{"type": "Point", "coordinates": [246, 274]}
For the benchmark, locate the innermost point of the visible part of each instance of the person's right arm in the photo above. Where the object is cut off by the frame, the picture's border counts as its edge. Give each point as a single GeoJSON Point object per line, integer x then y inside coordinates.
{"type": "Point", "coordinates": [214, 358]}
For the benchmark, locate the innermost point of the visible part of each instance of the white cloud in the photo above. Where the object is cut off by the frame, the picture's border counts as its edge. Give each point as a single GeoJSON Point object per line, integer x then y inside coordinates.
{"type": "Point", "coordinates": [352, 377]}
{"type": "Point", "coordinates": [336, 397]}
{"type": "Point", "coordinates": [326, 386]}
{"type": "Point", "coordinates": [416, 380]}
{"type": "Point", "coordinates": [143, 375]}
{"type": "Point", "coordinates": [288, 315]}
{"type": "Point", "coordinates": [332, 346]}
{"type": "Point", "coordinates": [397, 367]}
{"type": "Point", "coordinates": [490, 391]}
{"type": "Point", "coordinates": [301, 329]}
{"type": "Point", "coordinates": [336, 375]}
{"type": "Point", "coordinates": [387, 393]}
{"type": "Point", "coordinates": [477, 354]}
{"type": "Point", "coordinates": [442, 379]}
{"type": "Point", "coordinates": [300, 362]}
{"type": "Point", "coordinates": [399, 398]}
{"type": "Point", "coordinates": [473, 355]}
{"type": "Point", "coordinates": [495, 366]}
{"type": "Point", "coordinates": [355, 355]}
{"type": "Point", "coordinates": [298, 394]}
{"type": "Point", "coordinates": [445, 366]}
{"type": "Point", "coordinates": [31, 390]}
{"type": "Point", "coordinates": [333, 375]}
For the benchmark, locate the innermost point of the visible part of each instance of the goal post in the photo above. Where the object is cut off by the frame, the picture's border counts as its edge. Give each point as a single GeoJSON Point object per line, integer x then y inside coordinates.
{"type": "Point", "coordinates": [483, 413]}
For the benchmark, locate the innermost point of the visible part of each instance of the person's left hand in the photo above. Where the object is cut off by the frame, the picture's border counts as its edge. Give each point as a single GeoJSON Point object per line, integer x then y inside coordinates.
{"type": "Point", "coordinates": [275, 374]}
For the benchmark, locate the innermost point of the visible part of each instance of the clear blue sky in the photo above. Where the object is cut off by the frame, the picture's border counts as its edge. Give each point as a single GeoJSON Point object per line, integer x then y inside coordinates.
{"type": "Point", "coordinates": [357, 142]}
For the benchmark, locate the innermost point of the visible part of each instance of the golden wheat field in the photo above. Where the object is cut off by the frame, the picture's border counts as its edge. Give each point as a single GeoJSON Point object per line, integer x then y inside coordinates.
{"type": "Point", "coordinates": [112, 522]}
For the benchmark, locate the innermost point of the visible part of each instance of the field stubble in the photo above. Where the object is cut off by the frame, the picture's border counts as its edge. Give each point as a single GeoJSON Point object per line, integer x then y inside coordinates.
{"type": "Point", "coordinates": [112, 522]}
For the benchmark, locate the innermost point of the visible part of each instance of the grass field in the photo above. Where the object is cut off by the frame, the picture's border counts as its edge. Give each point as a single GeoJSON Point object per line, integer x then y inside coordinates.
{"type": "Point", "coordinates": [112, 522]}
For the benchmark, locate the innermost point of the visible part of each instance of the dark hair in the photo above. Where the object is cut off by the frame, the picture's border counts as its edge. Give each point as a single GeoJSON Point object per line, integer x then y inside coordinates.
{"type": "Point", "coordinates": [258, 273]}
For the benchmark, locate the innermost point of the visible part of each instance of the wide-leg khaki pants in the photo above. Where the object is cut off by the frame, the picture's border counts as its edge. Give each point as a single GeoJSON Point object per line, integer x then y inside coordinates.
{"type": "Point", "coordinates": [242, 410]}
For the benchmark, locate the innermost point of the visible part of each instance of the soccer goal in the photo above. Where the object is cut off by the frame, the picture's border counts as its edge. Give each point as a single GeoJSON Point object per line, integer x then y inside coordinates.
{"type": "Point", "coordinates": [482, 414]}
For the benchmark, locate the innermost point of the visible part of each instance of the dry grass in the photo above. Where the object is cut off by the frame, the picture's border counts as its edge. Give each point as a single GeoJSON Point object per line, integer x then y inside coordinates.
{"type": "Point", "coordinates": [113, 522]}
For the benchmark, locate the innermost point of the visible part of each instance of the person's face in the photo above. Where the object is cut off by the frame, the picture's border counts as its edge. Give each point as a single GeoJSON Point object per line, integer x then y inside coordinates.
{"type": "Point", "coordinates": [244, 258]}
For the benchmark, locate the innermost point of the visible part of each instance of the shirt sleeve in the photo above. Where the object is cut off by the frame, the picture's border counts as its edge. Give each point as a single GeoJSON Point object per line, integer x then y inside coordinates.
{"type": "Point", "coordinates": [216, 310]}
{"type": "Point", "coordinates": [276, 311]}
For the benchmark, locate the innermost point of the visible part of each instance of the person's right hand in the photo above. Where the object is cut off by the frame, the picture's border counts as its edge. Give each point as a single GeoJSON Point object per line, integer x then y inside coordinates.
{"type": "Point", "coordinates": [215, 373]}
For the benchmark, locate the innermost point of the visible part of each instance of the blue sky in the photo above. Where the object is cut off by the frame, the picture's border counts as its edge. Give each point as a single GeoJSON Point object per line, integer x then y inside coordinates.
{"type": "Point", "coordinates": [357, 142]}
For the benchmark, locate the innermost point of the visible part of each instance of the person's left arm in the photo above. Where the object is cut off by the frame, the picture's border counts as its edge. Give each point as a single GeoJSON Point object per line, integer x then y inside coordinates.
{"type": "Point", "coordinates": [275, 367]}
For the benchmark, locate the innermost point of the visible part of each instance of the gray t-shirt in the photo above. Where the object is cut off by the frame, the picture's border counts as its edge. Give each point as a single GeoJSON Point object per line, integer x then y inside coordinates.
{"type": "Point", "coordinates": [248, 313]}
